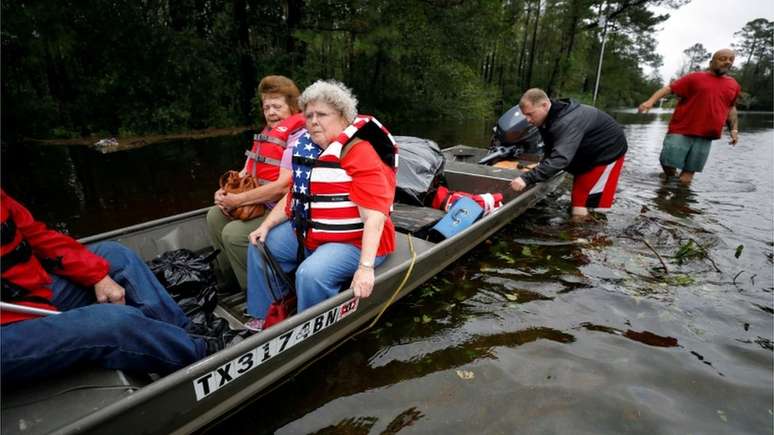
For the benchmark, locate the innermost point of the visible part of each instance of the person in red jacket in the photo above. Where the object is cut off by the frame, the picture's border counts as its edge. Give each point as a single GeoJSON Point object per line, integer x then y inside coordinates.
{"type": "Point", "coordinates": [107, 306]}
{"type": "Point", "coordinates": [706, 100]}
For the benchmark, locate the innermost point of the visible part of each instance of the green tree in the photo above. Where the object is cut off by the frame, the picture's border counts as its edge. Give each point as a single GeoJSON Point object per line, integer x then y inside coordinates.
{"type": "Point", "coordinates": [696, 57]}
{"type": "Point", "coordinates": [755, 50]}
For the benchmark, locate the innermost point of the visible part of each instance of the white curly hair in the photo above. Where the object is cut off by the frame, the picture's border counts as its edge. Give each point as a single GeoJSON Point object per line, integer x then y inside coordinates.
{"type": "Point", "coordinates": [334, 93]}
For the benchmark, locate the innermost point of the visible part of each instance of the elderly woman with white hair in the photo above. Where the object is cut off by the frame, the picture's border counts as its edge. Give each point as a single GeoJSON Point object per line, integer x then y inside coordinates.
{"type": "Point", "coordinates": [334, 225]}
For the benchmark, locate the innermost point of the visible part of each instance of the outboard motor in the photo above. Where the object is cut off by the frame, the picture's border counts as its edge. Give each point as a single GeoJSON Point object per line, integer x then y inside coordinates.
{"type": "Point", "coordinates": [511, 137]}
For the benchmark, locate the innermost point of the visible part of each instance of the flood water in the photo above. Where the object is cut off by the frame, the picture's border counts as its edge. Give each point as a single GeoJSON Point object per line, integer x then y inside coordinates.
{"type": "Point", "coordinates": [548, 327]}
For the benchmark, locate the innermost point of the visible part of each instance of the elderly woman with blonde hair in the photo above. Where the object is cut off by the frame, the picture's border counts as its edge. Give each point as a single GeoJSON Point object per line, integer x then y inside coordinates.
{"type": "Point", "coordinates": [269, 161]}
{"type": "Point", "coordinates": [334, 226]}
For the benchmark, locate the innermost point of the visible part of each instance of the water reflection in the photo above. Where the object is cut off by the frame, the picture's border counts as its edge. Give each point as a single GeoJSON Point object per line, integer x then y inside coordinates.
{"type": "Point", "coordinates": [82, 191]}
{"type": "Point", "coordinates": [676, 199]}
{"type": "Point", "coordinates": [644, 337]}
{"type": "Point", "coordinates": [364, 425]}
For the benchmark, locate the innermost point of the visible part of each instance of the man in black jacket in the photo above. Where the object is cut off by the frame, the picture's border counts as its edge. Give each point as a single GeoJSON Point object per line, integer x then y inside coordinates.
{"type": "Point", "coordinates": [579, 139]}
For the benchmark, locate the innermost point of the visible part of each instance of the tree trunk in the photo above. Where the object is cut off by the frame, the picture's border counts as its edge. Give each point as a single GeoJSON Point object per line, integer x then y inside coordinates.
{"type": "Point", "coordinates": [563, 58]}
{"type": "Point", "coordinates": [295, 14]}
{"type": "Point", "coordinates": [247, 68]}
{"type": "Point", "coordinates": [520, 69]}
{"type": "Point", "coordinates": [528, 81]}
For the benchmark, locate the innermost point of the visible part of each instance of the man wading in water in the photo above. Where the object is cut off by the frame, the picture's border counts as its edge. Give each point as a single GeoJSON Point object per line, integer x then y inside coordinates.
{"type": "Point", "coordinates": [581, 140]}
{"type": "Point", "coordinates": [706, 100]}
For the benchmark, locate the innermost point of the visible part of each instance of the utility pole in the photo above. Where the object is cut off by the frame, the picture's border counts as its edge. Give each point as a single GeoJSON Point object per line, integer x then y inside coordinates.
{"type": "Point", "coordinates": [603, 24]}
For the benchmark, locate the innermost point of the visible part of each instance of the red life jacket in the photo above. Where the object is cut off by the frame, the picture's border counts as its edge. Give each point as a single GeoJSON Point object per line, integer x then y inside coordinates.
{"type": "Point", "coordinates": [333, 217]}
{"type": "Point", "coordinates": [263, 160]}
{"type": "Point", "coordinates": [16, 259]}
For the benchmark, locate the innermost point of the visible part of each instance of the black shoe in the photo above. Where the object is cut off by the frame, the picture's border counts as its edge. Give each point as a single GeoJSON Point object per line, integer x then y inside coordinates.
{"type": "Point", "coordinates": [226, 339]}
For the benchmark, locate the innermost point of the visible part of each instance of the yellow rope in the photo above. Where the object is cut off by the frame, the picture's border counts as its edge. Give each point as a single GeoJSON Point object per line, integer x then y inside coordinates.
{"type": "Point", "coordinates": [340, 343]}
{"type": "Point", "coordinates": [400, 287]}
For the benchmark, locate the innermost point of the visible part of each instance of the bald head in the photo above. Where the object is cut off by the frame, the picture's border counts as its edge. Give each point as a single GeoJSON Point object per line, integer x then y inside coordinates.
{"type": "Point", "coordinates": [534, 105]}
{"type": "Point", "coordinates": [533, 96]}
{"type": "Point", "coordinates": [721, 61]}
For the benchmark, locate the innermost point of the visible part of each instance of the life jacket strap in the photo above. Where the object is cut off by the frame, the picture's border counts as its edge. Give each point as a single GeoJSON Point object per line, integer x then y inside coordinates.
{"type": "Point", "coordinates": [261, 159]}
{"type": "Point", "coordinates": [320, 198]}
{"type": "Point", "coordinates": [335, 227]}
{"type": "Point", "coordinates": [271, 139]}
{"type": "Point", "coordinates": [314, 163]}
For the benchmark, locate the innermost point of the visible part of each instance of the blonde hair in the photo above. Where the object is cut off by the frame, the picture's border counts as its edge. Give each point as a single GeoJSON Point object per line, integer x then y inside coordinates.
{"type": "Point", "coordinates": [335, 94]}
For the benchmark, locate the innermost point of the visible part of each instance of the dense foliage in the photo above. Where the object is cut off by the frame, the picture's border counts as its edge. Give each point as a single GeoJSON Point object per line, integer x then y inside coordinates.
{"type": "Point", "coordinates": [755, 57]}
{"type": "Point", "coordinates": [129, 67]}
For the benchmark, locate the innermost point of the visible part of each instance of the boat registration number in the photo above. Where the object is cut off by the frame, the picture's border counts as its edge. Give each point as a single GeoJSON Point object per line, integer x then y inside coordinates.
{"type": "Point", "coordinates": [213, 381]}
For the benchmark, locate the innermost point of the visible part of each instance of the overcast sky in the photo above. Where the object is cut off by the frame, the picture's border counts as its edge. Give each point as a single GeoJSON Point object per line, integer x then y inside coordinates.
{"type": "Point", "coordinates": [710, 22]}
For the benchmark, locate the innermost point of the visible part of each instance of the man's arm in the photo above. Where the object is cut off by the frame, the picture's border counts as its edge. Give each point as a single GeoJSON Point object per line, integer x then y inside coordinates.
{"type": "Point", "coordinates": [732, 122]}
{"type": "Point", "coordinates": [567, 135]}
{"type": "Point", "coordinates": [70, 259]}
{"type": "Point", "coordinates": [659, 94]}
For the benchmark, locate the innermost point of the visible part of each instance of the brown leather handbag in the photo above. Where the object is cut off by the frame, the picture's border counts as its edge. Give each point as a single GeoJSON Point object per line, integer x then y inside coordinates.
{"type": "Point", "coordinates": [231, 182]}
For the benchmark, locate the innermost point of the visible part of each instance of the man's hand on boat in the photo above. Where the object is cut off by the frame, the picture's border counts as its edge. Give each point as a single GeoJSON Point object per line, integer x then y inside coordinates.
{"type": "Point", "coordinates": [518, 184]}
{"type": "Point", "coordinates": [109, 291]}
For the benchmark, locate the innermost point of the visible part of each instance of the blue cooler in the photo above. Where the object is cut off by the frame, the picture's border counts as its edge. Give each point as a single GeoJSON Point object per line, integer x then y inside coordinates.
{"type": "Point", "coordinates": [463, 214]}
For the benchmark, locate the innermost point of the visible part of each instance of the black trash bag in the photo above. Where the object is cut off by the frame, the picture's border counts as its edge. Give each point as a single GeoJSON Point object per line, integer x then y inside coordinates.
{"type": "Point", "coordinates": [184, 273]}
{"type": "Point", "coordinates": [206, 300]}
{"type": "Point", "coordinates": [199, 310]}
{"type": "Point", "coordinates": [420, 170]}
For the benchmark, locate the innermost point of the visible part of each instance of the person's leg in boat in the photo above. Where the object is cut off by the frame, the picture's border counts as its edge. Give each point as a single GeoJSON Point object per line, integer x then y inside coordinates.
{"type": "Point", "coordinates": [110, 335]}
{"type": "Point", "coordinates": [234, 242]}
{"type": "Point", "coordinates": [216, 220]}
{"type": "Point", "coordinates": [326, 271]}
{"type": "Point", "coordinates": [282, 243]}
{"type": "Point", "coordinates": [143, 290]}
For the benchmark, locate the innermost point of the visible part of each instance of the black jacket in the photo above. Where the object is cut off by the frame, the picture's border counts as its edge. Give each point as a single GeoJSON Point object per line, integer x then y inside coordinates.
{"type": "Point", "coordinates": [576, 138]}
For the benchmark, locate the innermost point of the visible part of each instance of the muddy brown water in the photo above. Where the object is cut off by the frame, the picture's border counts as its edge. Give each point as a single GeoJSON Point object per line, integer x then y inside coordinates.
{"type": "Point", "coordinates": [548, 327]}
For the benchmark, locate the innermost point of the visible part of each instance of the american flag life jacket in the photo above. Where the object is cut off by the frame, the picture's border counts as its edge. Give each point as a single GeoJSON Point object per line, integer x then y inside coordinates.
{"type": "Point", "coordinates": [321, 208]}
{"type": "Point", "coordinates": [263, 160]}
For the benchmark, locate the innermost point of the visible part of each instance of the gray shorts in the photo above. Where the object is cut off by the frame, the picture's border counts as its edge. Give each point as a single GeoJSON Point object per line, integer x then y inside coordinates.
{"type": "Point", "coordinates": [688, 153]}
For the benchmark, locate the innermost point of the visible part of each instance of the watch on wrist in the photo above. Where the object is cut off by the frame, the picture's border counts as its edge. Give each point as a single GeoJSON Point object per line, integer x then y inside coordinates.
{"type": "Point", "coordinates": [366, 264]}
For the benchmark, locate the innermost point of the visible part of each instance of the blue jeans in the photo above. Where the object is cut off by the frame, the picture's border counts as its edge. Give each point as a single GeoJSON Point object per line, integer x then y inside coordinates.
{"type": "Point", "coordinates": [320, 276]}
{"type": "Point", "coordinates": [145, 335]}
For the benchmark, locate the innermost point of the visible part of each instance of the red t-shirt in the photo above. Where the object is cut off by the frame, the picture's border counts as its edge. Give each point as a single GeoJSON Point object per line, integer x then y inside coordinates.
{"type": "Point", "coordinates": [373, 186]}
{"type": "Point", "coordinates": [705, 100]}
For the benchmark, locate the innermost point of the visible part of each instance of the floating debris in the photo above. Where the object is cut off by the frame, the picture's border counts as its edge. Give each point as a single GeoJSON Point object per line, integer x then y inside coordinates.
{"type": "Point", "coordinates": [466, 374]}
{"type": "Point", "coordinates": [110, 142]}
